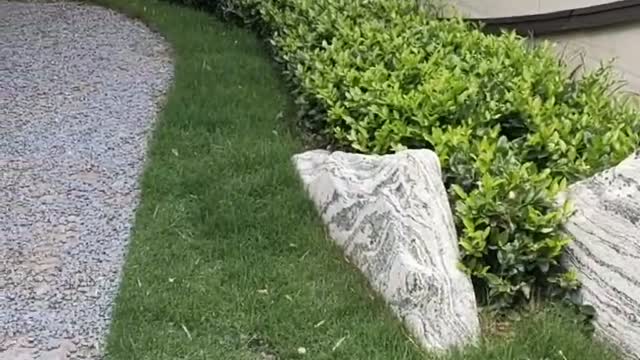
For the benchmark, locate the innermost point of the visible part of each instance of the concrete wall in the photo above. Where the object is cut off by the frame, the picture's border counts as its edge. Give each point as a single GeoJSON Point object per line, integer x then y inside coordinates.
{"type": "Point", "coordinates": [499, 8]}
{"type": "Point", "coordinates": [619, 43]}
{"type": "Point", "coordinates": [591, 46]}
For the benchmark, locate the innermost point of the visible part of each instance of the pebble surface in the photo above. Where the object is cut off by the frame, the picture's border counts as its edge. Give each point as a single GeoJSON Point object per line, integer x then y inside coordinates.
{"type": "Point", "coordinates": [80, 87]}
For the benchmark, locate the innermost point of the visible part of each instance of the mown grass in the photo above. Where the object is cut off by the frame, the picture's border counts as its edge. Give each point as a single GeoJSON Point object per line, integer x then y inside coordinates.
{"type": "Point", "coordinates": [228, 259]}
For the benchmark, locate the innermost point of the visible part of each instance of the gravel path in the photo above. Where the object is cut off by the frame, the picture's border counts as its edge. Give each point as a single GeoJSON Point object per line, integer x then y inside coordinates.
{"type": "Point", "coordinates": [79, 89]}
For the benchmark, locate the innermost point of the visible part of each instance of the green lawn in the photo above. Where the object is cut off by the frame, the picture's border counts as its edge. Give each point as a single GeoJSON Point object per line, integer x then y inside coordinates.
{"type": "Point", "coordinates": [229, 260]}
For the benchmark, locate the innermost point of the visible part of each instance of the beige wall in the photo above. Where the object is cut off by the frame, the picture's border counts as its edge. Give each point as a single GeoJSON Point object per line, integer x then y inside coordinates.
{"type": "Point", "coordinates": [619, 43]}
{"type": "Point", "coordinates": [500, 8]}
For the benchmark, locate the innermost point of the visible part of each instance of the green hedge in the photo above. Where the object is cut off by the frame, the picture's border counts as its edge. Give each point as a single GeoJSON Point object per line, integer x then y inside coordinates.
{"type": "Point", "coordinates": [510, 125]}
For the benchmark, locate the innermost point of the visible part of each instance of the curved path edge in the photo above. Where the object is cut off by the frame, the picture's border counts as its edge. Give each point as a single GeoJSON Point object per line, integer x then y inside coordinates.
{"type": "Point", "coordinates": [80, 88]}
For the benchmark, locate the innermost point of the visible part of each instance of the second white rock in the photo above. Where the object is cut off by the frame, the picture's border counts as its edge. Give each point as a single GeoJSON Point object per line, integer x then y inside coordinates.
{"type": "Point", "coordinates": [606, 251]}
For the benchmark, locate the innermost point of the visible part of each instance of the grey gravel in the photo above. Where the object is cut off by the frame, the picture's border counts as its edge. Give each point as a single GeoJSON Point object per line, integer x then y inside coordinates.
{"type": "Point", "coordinates": [80, 87]}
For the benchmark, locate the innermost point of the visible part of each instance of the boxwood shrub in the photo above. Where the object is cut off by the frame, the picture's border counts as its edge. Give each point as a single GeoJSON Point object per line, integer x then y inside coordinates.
{"type": "Point", "coordinates": [509, 123]}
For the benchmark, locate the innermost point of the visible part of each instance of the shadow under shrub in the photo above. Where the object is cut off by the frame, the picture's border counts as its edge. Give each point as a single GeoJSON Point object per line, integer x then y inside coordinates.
{"type": "Point", "coordinates": [509, 124]}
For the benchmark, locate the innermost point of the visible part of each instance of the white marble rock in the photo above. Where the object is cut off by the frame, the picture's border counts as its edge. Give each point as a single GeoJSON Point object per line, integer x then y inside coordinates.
{"type": "Point", "coordinates": [606, 251]}
{"type": "Point", "coordinates": [391, 216]}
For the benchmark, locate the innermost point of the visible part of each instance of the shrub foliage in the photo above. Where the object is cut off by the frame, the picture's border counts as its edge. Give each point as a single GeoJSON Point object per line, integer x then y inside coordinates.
{"type": "Point", "coordinates": [509, 123]}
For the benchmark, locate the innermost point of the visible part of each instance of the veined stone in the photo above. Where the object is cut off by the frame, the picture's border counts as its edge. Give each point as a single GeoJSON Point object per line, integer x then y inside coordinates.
{"type": "Point", "coordinates": [391, 216]}
{"type": "Point", "coordinates": [606, 251]}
